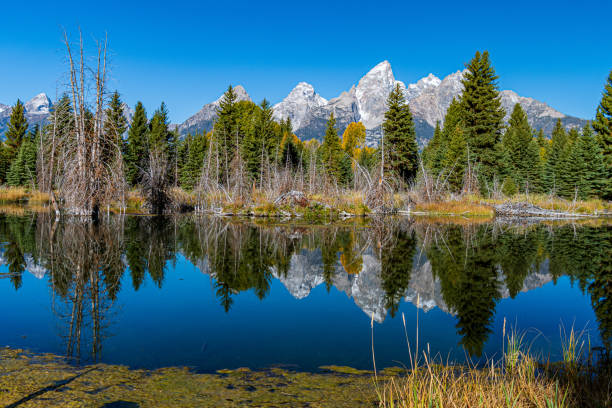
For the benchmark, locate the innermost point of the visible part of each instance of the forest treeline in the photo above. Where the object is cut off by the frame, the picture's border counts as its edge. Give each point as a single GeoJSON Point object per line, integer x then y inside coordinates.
{"type": "Point", "coordinates": [475, 264]}
{"type": "Point", "coordinates": [473, 151]}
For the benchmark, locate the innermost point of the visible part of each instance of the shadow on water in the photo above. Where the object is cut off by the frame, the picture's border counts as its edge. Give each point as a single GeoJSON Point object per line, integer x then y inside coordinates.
{"type": "Point", "coordinates": [476, 265]}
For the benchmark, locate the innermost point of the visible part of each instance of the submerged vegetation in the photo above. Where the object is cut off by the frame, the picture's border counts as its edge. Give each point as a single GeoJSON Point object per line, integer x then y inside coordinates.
{"type": "Point", "coordinates": [519, 379]}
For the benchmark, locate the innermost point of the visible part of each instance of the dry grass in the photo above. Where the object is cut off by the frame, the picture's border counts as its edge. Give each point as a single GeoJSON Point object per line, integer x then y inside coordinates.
{"type": "Point", "coordinates": [516, 380]}
{"type": "Point", "coordinates": [13, 194]}
{"type": "Point", "coordinates": [463, 207]}
{"type": "Point", "coordinates": [38, 197]}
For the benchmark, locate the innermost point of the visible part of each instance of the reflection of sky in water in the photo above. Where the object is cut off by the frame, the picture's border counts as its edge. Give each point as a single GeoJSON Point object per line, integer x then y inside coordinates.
{"type": "Point", "coordinates": [299, 323]}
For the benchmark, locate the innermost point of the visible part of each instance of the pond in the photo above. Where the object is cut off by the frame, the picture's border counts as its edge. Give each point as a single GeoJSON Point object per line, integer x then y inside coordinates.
{"type": "Point", "coordinates": [214, 293]}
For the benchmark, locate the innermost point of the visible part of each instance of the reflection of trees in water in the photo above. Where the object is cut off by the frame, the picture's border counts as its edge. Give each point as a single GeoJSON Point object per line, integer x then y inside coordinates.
{"type": "Point", "coordinates": [86, 262]}
{"type": "Point", "coordinates": [85, 266]}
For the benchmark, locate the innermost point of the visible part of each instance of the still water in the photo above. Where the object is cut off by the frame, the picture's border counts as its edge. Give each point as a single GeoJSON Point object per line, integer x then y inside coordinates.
{"type": "Point", "coordinates": [213, 293]}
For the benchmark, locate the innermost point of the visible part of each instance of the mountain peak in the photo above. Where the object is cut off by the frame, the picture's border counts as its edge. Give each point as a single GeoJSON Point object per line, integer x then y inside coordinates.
{"type": "Point", "coordinates": [39, 104]}
{"type": "Point", "coordinates": [298, 104]}
{"type": "Point", "coordinates": [372, 92]}
{"type": "Point", "coordinates": [241, 93]}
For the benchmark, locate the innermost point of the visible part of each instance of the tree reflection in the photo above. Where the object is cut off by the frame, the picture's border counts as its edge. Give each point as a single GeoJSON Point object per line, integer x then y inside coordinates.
{"type": "Point", "coordinates": [85, 263]}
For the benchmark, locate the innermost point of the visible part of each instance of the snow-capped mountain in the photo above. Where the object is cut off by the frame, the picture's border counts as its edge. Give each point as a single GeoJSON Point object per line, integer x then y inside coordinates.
{"type": "Point", "coordinates": [299, 104]}
{"type": "Point", "coordinates": [36, 111]}
{"type": "Point", "coordinates": [38, 105]}
{"type": "Point", "coordinates": [429, 99]}
{"type": "Point", "coordinates": [205, 117]}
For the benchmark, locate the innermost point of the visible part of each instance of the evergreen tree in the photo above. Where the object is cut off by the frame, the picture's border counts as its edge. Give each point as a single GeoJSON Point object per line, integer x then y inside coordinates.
{"type": "Point", "coordinates": [584, 172]}
{"type": "Point", "coordinates": [482, 116]}
{"type": "Point", "coordinates": [603, 127]}
{"type": "Point", "coordinates": [226, 131]}
{"type": "Point", "coordinates": [430, 154]}
{"type": "Point", "coordinates": [136, 149]}
{"type": "Point", "coordinates": [17, 128]}
{"type": "Point", "coordinates": [593, 175]}
{"type": "Point", "coordinates": [455, 158]}
{"type": "Point", "coordinates": [571, 166]}
{"type": "Point", "coordinates": [399, 137]}
{"type": "Point", "coordinates": [331, 150]}
{"type": "Point", "coordinates": [159, 134]}
{"type": "Point", "coordinates": [260, 144]}
{"type": "Point", "coordinates": [23, 169]}
{"type": "Point", "coordinates": [194, 160]}
{"type": "Point", "coordinates": [115, 126]}
{"type": "Point", "coordinates": [521, 151]}
{"type": "Point", "coordinates": [556, 158]}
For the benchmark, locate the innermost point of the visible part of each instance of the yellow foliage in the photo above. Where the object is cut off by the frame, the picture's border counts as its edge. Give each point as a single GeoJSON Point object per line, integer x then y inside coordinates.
{"type": "Point", "coordinates": [353, 137]}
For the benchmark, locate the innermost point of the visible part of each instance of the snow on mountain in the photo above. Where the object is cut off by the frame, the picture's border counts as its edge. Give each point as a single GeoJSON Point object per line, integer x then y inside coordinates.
{"type": "Point", "coordinates": [204, 119]}
{"type": "Point", "coordinates": [432, 103]}
{"type": "Point", "coordinates": [422, 85]}
{"type": "Point", "coordinates": [39, 105]}
{"type": "Point", "coordinates": [372, 92]}
{"type": "Point", "coordinates": [36, 111]}
{"type": "Point", "coordinates": [299, 104]}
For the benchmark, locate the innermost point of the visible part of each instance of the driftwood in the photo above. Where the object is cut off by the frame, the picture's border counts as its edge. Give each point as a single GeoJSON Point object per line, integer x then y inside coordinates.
{"type": "Point", "coordinates": [524, 209]}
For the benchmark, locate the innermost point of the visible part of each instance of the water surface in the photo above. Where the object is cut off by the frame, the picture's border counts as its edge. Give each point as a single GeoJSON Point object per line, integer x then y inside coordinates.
{"type": "Point", "coordinates": [214, 293]}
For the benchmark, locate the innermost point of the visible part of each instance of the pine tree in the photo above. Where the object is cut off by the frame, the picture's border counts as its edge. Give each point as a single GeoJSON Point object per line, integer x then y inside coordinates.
{"type": "Point", "coordinates": [482, 116]}
{"type": "Point", "coordinates": [17, 128]}
{"type": "Point", "coordinates": [555, 159]}
{"type": "Point", "coordinates": [521, 151]}
{"type": "Point", "coordinates": [23, 168]}
{"type": "Point", "coordinates": [399, 136]}
{"type": "Point", "coordinates": [429, 155]}
{"type": "Point", "coordinates": [585, 174]}
{"type": "Point", "coordinates": [455, 158]}
{"type": "Point", "coordinates": [594, 176]}
{"type": "Point", "coordinates": [136, 149]}
{"type": "Point", "coordinates": [260, 145]}
{"type": "Point", "coordinates": [332, 151]}
{"type": "Point", "coordinates": [603, 127]}
{"type": "Point", "coordinates": [225, 132]}
{"type": "Point", "coordinates": [159, 134]}
{"type": "Point", "coordinates": [115, 126]}
{"type": "Point", "coordinates": [568, 179]}
{"type": "Point", "coordinates": [194, 160]}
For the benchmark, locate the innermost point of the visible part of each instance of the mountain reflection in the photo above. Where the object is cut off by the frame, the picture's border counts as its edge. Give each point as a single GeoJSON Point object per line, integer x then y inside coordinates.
{"type": "Point", "coordinates": [464, 270]}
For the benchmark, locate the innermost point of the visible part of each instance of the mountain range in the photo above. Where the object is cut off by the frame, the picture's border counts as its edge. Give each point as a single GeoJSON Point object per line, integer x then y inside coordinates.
{"type": "Point", "coordinates": [429, 98]}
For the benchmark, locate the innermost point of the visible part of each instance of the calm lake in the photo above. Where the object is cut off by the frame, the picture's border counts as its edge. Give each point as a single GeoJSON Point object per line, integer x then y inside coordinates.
{"type": "Point", "coordinates": [213, 293]}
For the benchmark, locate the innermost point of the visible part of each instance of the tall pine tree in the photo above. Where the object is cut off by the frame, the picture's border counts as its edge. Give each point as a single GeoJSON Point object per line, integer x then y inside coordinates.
{"type": "Point", "coordinates": [136, 149]}
{"type": "Point", "coordinates": [523, 160]}
{"type": "Point", "coordinates": [482, 116]}
{"type": "Point", "coordinates": [331, 151]}
{"type": "Point", "coordinates": [555, 159]}
{"type": "Point", "coordinates": [399, 137]}
{"type": "Point", "coordinates": [115, 126]}
{"type": "Point", "coordinates": [17, 128]}
{"type": "Point", "coordinates": [603, 127]}
{"type": "Point", "coordinates": [226, 133]}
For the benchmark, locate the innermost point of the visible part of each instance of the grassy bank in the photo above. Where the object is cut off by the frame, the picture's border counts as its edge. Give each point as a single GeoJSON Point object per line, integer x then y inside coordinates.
{"type": "Point", "coordinates": [318, 206]}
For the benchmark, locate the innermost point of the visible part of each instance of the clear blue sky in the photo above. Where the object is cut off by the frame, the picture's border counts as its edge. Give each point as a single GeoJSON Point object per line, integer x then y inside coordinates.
{"type": "Point", "coordinates": [187, 52]}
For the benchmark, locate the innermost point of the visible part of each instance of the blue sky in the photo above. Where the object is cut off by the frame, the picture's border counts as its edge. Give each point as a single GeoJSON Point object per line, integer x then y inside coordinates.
{"type": "Point", "coordinates": [187, 52]}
